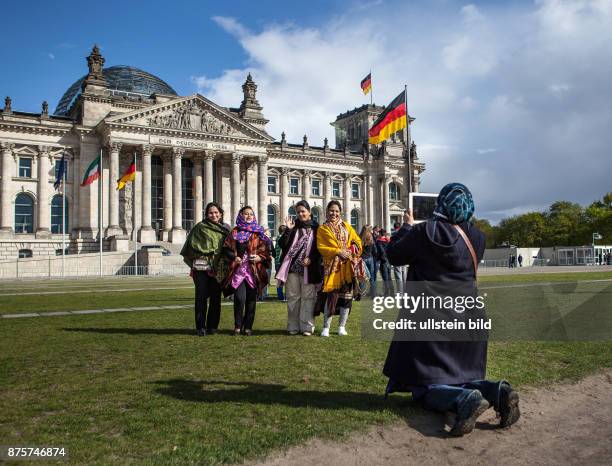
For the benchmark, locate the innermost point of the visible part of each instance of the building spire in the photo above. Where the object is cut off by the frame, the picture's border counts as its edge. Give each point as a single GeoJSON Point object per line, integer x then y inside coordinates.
{"type": "Point", "coordinates": [250, 110]}
{"type": "Point", "coordinates": [95, 77]}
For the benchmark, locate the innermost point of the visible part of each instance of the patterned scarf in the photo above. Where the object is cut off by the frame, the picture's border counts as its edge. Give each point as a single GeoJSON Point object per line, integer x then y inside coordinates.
{"type": "Point", "coordinates": [243, 230]}
{"type": "Point", "coordinates": [455, 203]}
{"type": "Point", "coordinates": [299, 247]}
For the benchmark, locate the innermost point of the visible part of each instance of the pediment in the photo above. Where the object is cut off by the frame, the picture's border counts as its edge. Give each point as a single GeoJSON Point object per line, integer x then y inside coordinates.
{"type": "Point", "coordinates": [194, 114]}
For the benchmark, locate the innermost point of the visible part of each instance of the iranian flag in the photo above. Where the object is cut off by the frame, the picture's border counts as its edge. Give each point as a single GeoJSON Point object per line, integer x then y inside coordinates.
{"type": "Point", "coordinates": [92, 173]}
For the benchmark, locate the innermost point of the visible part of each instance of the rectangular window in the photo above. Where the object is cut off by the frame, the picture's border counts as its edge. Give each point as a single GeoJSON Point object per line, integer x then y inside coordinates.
{"type": "Point", "coordinates": [355, 190]}
{"type": "Point", "coordinates": [272, 184]}
{"type": "Point", "coordinates": [25, 167]}
{"type": "Point", "coordinates": [335, 189]}
{"type": "Point", "coordinates": [316, 187]}
{"type": "Point", "coordinates": [294, 186]}
{"type": "Point", "coordinates": [57, 166]}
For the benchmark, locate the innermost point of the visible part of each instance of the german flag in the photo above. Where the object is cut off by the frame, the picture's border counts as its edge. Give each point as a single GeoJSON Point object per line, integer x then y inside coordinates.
{"type": "Point", "coordinates": [390, 121]}
{"type": "Point", "coordinates": [129, 175]}
{"type": "Point", "coordinates": [366, 84]}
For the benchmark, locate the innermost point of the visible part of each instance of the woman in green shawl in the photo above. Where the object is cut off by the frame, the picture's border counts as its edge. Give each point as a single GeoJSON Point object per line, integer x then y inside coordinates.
{"type": "Point", "coordinates": [202, 253]}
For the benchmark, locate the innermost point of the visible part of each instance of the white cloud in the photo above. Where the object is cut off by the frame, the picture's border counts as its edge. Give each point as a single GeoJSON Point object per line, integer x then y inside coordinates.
{"type": "Point", "coordinates": [481, 80]}
{"type": "Point", "coordinates": [51, 56]}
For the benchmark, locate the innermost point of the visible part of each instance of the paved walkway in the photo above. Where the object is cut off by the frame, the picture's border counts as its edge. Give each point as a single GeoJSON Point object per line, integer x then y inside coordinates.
{"type": "Point", "coordinates": [101, 311]}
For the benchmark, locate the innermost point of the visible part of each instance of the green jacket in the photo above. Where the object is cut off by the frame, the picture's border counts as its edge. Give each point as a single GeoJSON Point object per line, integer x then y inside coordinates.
{"type": "Point", "coordinates": [206, 239]}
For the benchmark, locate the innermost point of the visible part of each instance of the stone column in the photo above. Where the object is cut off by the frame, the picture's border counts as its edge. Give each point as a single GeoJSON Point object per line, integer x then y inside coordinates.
{"type": "Point", "coordinates": [327, 188]}
{"type": "Point", "coordinates": [235, 184]}
{"type": "Point", "coordinates": [347, 198]}
{"type": "Point", "coordinates": [167, 159]}
{"type": "Point", "coordinates": [197, 195]}
{"type": "Point", "coordinates": [146, 233]}
{"type": "Point", "coordinates": [76, 185]}
{"type": "Point", "coordinates": [369, 200]}
{"type": "Point", "coordinates": [307, 185]}
{"type": "Point", "coordinates": [208, 177]}
{"type": "Point", "coordinates": [262, 190]}
{"type": "Point", "coordinates": [284, 203]}
{"type": "Point", "coordinates": [177, 235]}
{"type": "Point", "coordinates": [6, 214]}
{"type": "Point", "coordinates": [113, 227]}
{"type": "Point", "coordinates": [43, 223]}
{"type": "Point", "coordinates": [385, 187]}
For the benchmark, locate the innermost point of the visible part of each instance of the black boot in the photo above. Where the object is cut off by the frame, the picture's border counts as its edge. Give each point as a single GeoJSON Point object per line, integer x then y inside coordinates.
{"type": "Point", "coordinates": [508, 405]}
{"type": "Point", "coordinates": [466, 421]}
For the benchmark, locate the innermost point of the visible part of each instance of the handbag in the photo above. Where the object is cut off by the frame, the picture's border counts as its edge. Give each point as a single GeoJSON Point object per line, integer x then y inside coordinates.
{"type": "Point", "coordinates": [201, 264]}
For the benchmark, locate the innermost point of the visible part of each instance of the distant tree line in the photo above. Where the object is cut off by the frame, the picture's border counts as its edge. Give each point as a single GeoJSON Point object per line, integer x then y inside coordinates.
{"type": "Point", "coordinates": [562, 224]}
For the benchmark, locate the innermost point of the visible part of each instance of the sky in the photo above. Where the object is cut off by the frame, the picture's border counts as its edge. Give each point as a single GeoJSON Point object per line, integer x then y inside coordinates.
{"type": "Point", "coordinates": [512, 99]}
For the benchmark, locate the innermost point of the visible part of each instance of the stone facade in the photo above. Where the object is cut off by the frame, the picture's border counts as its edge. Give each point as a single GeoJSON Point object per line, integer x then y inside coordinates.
{"type": "Point", "coordinates": [188, 151]}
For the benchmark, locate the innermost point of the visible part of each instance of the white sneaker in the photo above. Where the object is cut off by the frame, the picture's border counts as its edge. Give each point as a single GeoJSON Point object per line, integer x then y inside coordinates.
{"type": "Point", "coordinates": [325, 332]}
{"type": "Point", "coordinates": [342, 332]}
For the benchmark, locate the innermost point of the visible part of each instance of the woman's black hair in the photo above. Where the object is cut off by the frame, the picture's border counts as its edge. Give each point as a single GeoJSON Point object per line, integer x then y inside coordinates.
{"type": "Point", "coordinates": [242, 209]}
{"type": "Point", "coordinates": [331, 203]}
{"type": "Point", "coordinates": [209, 206]}
{"type": "Point", "coordinates": [302, 203]}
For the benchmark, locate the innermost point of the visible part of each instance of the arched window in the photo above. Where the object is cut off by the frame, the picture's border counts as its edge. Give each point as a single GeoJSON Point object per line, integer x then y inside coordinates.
{"type": "Point", "coordinates": [292, 213]}
{"type": "Point", "coordinates": [316, 214]}
{"type": "Point", "coordinates": [355, 219]}
{"type": "Point", "coordinates": [272, 219]}
{"type": "Point", "coordinates": [24, 213]}
{"type": "Point", "coordinates": [394, 192]}
{"type": "Point", "coordinates": [56, 215]}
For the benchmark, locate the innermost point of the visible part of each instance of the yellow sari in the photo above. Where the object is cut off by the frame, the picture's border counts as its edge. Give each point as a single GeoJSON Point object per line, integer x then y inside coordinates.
{"type": "Point", "coordinates": [330, 241]}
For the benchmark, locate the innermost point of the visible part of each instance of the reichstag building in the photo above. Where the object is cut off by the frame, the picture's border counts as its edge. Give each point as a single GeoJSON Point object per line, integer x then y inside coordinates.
{"type": "Point", "coordinates": [188, 151]}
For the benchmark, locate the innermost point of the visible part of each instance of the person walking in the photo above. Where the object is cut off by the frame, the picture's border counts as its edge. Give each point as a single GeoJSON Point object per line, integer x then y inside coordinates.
{"type": "Point", "coordinates": [247, 248]}
{"type": "Point", "coordinates": [520, 260]}
{"type": "Point", "coordinates": [368, 256]}
{"type": "Point", "coordinates": [340, 247]}
{"type": "Point", "coordinates": [383, 262]}
{"type": "Point", "coordinates": [300, 270]}
{"type": "Point", "coordinates": [446, 375]}
{"type": "Point", "coordinates": [202, 253]}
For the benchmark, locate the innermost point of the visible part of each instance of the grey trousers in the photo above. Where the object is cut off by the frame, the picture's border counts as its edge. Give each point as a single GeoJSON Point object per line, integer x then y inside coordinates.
{"type": "Point", "coordinates": [301, 299]}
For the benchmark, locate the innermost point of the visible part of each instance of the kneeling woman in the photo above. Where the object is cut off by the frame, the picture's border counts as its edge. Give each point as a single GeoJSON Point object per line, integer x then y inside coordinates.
{"type": "Point", "coordinates": [340, 247]}
{"type": "Point", "coordinates": [300, 270]}
{"type": "Point", "coordinates": [247, 249]}
{"type": "Point", "coordinates": [202, 253]}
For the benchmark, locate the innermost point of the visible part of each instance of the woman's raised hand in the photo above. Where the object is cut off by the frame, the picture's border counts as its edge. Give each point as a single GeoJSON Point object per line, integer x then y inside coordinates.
{"type": "Point", "coordinates": [289, 223]}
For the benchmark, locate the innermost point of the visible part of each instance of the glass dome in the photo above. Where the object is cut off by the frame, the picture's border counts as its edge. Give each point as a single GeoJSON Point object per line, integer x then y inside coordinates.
{"type": "Point", "coordinates": [122, 80]}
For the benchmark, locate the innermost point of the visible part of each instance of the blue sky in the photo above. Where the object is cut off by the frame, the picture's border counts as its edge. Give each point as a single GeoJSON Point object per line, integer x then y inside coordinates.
{"type": "Point", "coordinates": [511, 98]}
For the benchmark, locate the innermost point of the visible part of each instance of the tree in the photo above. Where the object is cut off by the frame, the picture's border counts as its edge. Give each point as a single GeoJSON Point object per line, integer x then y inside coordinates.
{"type": "Point", "coordinates": [565, 224]}
{"type": "Point", "coordinates": [490, 231]}
{"type": "Point", "coordinates": [526, 230]}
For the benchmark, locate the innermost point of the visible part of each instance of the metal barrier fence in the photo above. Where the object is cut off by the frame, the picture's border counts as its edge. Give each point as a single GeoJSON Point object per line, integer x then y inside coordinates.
{"type": "Point", "coordinates": [494, 263]}
{"type": "Point", "coordinates": [44, 271]}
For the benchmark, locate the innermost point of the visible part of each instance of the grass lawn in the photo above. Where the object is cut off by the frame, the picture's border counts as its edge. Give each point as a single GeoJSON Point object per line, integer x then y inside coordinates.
{"type": "Point", "coordinates": [140, 387]}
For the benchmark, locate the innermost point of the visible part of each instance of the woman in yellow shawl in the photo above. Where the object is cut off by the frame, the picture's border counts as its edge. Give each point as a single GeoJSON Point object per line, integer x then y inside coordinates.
{"type": "Point", "coordinates": [340, 247]}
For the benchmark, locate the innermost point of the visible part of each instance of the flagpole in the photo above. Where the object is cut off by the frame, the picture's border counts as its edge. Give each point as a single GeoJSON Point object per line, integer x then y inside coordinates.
{"type": "Point", "coordinates": [134, 218]}
{"type": "Point", "coordinates": [407, 139]}
{"type": "Point", "coordinates": [63, 216]}
{"type": "Point", "coordinates": [100, 206]}
{"type": "Point", "coordinates": [371, 89]}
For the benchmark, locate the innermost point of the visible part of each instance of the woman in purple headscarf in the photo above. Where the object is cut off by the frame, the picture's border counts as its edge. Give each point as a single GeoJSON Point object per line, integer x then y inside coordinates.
{"type": "Point", "coordinates": [247, 249]}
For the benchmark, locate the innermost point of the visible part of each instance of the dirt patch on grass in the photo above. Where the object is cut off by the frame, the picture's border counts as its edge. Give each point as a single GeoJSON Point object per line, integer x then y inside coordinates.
{"type": "Point", "coordinates": [560, 424]}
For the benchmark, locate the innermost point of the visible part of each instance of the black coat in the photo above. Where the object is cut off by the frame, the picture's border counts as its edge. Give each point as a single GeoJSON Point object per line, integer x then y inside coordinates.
{"type": "Point", "coordinates": [315, 269]}
{"type": "Point", "coordinates": [436, 252]}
